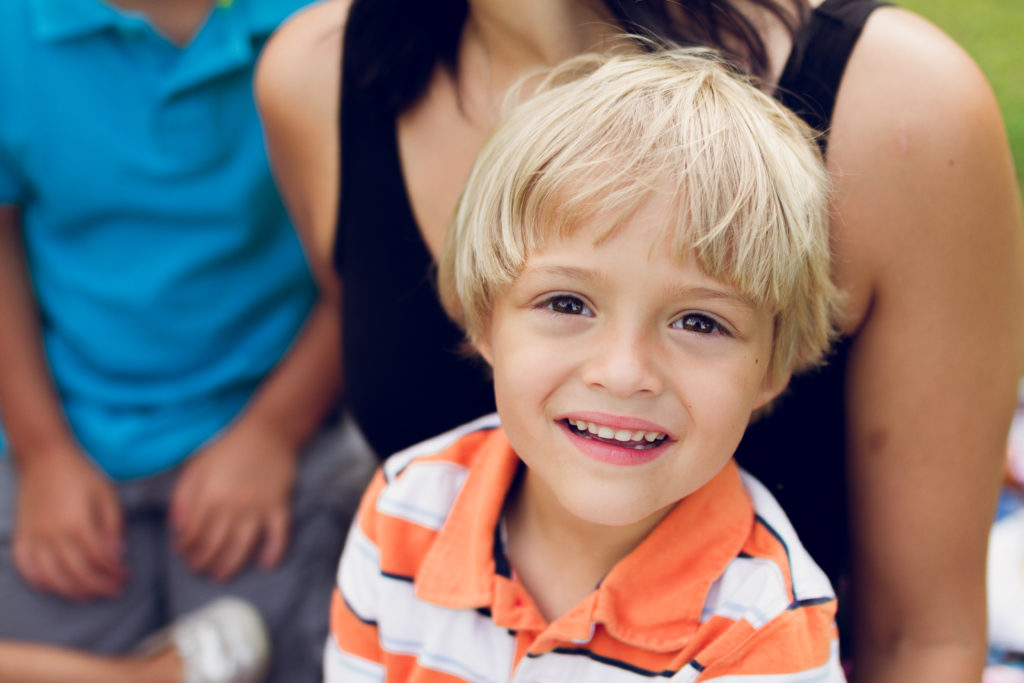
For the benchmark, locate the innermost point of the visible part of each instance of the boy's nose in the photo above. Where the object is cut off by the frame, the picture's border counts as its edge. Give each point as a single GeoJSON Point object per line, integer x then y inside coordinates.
{"type": "Point", "coordinates": [622, 362]}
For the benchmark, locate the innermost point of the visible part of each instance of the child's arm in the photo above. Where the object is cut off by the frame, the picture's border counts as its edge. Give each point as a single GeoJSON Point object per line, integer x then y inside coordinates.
{"type": "Point", "coordinates": [237, 489]}
{"type": "Point", "coordinates": [67, 534]}
{"type": "Point", "coordinates": [233, 497]}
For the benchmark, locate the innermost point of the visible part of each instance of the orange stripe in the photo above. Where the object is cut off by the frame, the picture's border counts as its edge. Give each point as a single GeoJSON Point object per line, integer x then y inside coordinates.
{"type": "Point", "coordinates": [351, 633]}
{"type": "Point", "coordinates": [402, 545]}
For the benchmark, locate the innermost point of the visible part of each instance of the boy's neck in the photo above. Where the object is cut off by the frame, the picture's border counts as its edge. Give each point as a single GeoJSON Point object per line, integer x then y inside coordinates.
{"type": "Point", "coordinates": [559, 557]}
{"type": "Point", "coordinates": [179, 21]}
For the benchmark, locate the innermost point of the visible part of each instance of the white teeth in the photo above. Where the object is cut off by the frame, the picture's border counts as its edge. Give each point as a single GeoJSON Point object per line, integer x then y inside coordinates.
{"type": "Point", "coordinates": [623, 435]}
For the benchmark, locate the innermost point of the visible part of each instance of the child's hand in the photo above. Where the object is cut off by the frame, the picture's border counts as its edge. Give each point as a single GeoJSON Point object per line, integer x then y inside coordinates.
{"type": "Point", "coordinates": [68, 528]}
{"type": "Point", "coordinates": [233, 496]}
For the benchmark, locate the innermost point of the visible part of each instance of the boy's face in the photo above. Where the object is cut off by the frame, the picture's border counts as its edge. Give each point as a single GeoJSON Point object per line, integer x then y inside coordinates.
{"type": "Point", "coordinates": [664, 363]}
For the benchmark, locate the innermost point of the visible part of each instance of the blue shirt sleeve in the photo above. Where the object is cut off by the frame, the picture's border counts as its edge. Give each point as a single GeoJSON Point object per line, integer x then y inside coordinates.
{"type": "Point", "coordinates": [12, 183]}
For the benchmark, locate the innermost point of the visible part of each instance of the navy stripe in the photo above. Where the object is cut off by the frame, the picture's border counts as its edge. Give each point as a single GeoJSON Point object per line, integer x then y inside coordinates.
{"type": "Point", "coordinates": [396, 577]}
{"type": "Point", "coordinates": [609, 661]}
{"type": "Point", "coordinates": [368, 622]}
{"type": "Point", "coordinates": [810, 602]}
{"type": "Point", "coordinates": [697, 665]}
{"type": "Point", "coordinates": [789, 560]}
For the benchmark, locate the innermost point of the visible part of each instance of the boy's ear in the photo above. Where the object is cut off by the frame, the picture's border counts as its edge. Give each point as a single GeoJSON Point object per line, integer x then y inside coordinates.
{"type": "Point", "coordinates": [483, 347]}
{"type": "Point", "coordinates": [770, 388]}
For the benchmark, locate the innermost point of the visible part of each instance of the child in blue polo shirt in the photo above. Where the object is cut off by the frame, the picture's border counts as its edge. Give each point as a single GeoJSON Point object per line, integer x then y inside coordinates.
{"type": "Point", "coordinates": [164, 364]}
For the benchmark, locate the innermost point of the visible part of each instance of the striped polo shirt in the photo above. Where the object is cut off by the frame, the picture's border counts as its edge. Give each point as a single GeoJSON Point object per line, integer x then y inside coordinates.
{"type": "Point", "coordinates": [721, 590]}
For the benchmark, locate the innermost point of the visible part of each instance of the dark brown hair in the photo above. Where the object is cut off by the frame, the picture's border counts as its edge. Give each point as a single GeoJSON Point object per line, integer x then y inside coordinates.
{"type": "Point", "coordinates": [400, 42]}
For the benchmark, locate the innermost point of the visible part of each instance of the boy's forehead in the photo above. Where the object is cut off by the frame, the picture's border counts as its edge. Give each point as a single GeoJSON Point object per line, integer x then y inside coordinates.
{"type": "Point", "coordinates": [651, 217]}
{"type": "Point", "coordinates": [656, 224]}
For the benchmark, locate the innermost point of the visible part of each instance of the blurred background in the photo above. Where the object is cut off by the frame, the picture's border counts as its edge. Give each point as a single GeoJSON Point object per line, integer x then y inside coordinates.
{"type": "Point", "coordinates": [992, 31]}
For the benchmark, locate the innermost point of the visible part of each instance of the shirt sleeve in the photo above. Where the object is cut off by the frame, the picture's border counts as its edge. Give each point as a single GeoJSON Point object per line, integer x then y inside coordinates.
{"type": "Point", "coordinates": [12, 184]}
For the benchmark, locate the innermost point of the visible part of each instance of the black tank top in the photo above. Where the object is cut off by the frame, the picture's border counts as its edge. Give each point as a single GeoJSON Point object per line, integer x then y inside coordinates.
{"type": "Point", "coordinates": [407, 377]}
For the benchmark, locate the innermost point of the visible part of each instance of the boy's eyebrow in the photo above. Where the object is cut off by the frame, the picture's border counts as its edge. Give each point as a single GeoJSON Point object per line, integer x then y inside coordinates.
{"type": "Point", "coordinates": [724, 294]}
{"type": "Point", "coordinates": [572, 272]}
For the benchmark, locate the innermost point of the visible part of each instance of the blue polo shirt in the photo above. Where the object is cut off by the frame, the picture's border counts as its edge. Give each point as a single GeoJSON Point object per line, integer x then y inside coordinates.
{"type": "Point", "coordinates": [168, 278]}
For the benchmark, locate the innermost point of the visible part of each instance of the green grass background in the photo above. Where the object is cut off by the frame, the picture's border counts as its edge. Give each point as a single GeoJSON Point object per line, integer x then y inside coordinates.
{"type": "Point", "coordinates": [992, 31]}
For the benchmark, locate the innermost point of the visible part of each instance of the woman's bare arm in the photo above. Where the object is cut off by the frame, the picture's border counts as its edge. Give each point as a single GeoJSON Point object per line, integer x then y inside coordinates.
{"type": "Point", "coordinates": [297, 89]}
{"type": "Point", "coordinates": [928, 242]}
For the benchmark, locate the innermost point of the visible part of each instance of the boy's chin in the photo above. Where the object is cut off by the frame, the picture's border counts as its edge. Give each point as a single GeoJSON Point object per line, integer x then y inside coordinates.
{"type": "Point", "coordinates": [615, 511]}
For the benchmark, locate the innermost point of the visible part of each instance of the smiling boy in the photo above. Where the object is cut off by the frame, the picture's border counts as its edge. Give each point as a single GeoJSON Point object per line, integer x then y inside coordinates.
{"type": "Point", "coordinates": [641, 254]}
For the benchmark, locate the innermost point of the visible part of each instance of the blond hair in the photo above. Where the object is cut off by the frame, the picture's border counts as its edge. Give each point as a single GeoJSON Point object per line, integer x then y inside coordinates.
{"type": "Point", "coordinates": [601, 134]}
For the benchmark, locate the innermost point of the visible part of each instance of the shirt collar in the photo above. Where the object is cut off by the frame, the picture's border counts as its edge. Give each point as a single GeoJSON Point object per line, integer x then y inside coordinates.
{"type": "Point", "coordinates": [652, 599]}
{"type": "Point", "coordinates": [56, 20]}
{"type": "Point", "coordinates": [264, 16]}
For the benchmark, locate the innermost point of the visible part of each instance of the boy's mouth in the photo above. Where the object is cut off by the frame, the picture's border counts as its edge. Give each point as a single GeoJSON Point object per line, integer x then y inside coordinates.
{"type": "Point", "coordinates": [623, 438]}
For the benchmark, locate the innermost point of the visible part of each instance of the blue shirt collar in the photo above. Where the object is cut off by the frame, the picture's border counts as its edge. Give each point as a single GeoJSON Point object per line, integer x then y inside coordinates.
{"type": "Point", "coordinates": [56, 20]}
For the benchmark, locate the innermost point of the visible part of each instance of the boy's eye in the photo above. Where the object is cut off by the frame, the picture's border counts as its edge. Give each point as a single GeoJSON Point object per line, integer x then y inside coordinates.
{"type": "Point", "coordinates": [699, 323]}
{"type": "Point", "coordinates": [567, 305]}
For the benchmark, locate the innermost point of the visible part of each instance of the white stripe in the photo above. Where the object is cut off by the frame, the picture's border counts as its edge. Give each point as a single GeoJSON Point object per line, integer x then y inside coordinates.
{"type": "Point", "coordinates": [459, 642]}
{"type": "Point", "coordinates": [359, 574]}
{"type": "Point", "coordinates": [751, 588]}
{"type": "Point", "coordinates": [809, 580]}
{"type": "Point", "coordinates": [831, 672]}
{"type": "Point", "coordinates": [343, 666]}
{"type": "Point", "coordinates": [397, 462]}
{"type": "Point", "coordinates": [687, 674]}
{"type": "Point", "coordinates": [423, 493]}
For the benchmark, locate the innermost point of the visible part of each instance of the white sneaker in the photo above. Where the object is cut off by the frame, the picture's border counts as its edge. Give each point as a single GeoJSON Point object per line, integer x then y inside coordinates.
{"type": "Point", "coordinates": [225, 641]}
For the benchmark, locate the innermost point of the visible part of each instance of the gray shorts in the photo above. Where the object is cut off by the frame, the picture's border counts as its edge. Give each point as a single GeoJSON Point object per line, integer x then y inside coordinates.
{"type": "Point", "coordinates": [294, 597]}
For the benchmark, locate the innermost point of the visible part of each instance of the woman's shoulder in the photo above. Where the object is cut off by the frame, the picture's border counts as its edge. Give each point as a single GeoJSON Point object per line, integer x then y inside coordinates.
{"type": "Point", "coordinates": [303, 57]}
{"type": "Point", "coordinates": [908, 88]}
{"type": "Point", "coordinates": [904, 62]}
{"type": "Point", "coordinates": [297, 86]}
